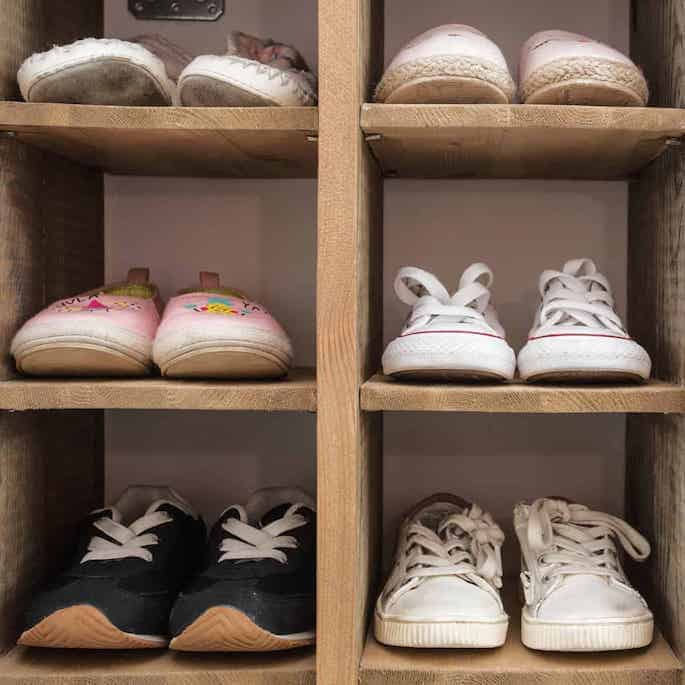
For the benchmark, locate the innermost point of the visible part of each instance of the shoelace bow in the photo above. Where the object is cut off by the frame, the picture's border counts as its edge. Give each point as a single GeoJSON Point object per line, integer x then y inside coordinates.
{"type": "Point", "coordinates": [474, 538]}
{"type": "Point", "coordinates": [476, 549]}
{"type": "Point", "coordinates": [578, 295]}
{"type": "Point", "coordinates": [129, 541]}
{"type": "Point", "coordinates": [572, 539]}
{"type": "Point", "coordinates": [249, 543]}
{"type": "Point", "coordinates": [429, 297]}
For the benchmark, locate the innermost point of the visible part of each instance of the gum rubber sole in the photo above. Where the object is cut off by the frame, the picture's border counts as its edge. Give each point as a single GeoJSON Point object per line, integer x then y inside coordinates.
{"type": "Point", "coordinates": [78, 359]}
{"type": "Point", "coordinates": [225, 362]}
{"type": "Point", "coordinates": [590, 376]}
{"type": "Point", "coordinates": [84, 627]}
{"type": "Point", "coordinates": [442, 634]}
{"type": "Point", "coordinates": [448, 375]}
{"type": "Point", "coordinates": [224, 629]}
{"type": "Point", "coordinates": [587, 637]}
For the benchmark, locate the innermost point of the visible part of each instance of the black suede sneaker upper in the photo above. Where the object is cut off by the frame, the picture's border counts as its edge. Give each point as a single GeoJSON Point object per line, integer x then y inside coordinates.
{"type": "Point", "coordinates": [262, 564]}
{"type": "Point", "coordinates": [129, 569]}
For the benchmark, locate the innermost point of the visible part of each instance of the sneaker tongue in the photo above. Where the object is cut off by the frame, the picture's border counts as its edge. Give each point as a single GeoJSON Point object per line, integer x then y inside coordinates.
{"type": "Point", "coordinates": [275, 514]}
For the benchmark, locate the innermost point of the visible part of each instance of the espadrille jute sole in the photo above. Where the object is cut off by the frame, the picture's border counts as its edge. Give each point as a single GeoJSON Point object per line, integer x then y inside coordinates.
{"type": "Point", "coordinates": [619, 634]}
{"type": "Point", "coordinates": [442, 634]}
{"type": "Point", "coordinates": [585, 81]}
{"type": "Point", "coordinates": [225, 629]}
{"type": "Point", "coordinates": [446, 79]}
{"type": "Point", "coordinates": [85, 627]}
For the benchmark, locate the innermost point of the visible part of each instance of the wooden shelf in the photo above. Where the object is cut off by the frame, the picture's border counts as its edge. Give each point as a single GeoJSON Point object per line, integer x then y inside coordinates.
{"type": "Point", "coordinates": [297, 392]}
{"type": "Point", "coordinates": [382, 393]}
{"type": "Point", "coordinates": [254, 142]}
{"type": "Point", "coordinates": [518, 141]}
{"type": "Point", "coordinates": [25, 666]}
{"type": "Point", "coordinates": [514, 664]}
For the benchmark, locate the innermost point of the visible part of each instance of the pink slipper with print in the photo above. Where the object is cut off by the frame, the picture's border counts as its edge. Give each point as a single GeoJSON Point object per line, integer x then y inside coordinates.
{"type": "Point", "coordinates": [217, 332]}
{"type": "Point", "coordinates": [108, 331]}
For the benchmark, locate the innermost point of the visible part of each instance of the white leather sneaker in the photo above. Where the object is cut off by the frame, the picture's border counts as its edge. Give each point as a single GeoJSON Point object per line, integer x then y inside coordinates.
{"type": "Point", "coordinates": [562, 68]}
{"type": "Point", "coordinates": [444, 587]}
{"type": "Point", "coordinates": [449, 337]}
{"type": "Point", "coordinates": [578, 598]}
{"type": "Point", "coordinates": [450, 64]}
{"type": "Point", "coordinates": [577, 334]}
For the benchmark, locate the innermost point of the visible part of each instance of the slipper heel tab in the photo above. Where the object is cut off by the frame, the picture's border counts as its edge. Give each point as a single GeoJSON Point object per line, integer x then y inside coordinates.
{"type": "Point", "coordinates": [209, 280]}
{"type": "Point", "coordinates": [138, 275]}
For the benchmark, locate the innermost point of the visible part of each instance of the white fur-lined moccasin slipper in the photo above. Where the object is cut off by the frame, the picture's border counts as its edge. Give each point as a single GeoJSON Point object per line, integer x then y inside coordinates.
{"type": "Point", "coordinates": [252, 73]}
{"type": "Point", "coordinates": [105, 71]}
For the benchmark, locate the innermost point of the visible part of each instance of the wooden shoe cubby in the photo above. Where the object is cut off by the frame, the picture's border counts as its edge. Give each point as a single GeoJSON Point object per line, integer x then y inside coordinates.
{"type": "Point", "coordinates": [52, 245]}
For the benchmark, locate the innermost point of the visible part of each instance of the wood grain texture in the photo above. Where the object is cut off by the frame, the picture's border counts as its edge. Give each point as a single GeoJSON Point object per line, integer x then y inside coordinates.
{"type": "Point", "coordinates": [50, 246]}
{"type": "Point", "coordinates": [655, 446]}
{"type": "Point", "coordinates": [382, 393]}
{"type": "Point", "coordinates": [24, 666]}
{"type": "Point", "coordinates": [297, 392]}
{"type": "Point", "coordinates": [514, 664]}
{"type": "Point", "coordinates": [518, 141]}
{"type": "Point", "coordinates": [348, 336]}
{"type": "Point", "coordinates": [246, 142]}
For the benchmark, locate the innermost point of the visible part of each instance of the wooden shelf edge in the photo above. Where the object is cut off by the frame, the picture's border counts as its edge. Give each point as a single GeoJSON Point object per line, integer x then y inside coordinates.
{"type": "Point", "coordinates": [27, 116]}
{"type": "Point", "coordinates": [297, 392]}
{"type": "Point", "coordinates": [25, 666]}
{"type": "Point", "coordinates": [382, 393]}
{"type": "Point", "coordinates": [665, 120]}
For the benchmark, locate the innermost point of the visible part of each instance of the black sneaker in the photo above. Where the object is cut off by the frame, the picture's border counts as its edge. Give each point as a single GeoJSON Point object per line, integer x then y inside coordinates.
{"type": "Point", "coordinates": [131, 561]}
{"type": "Point", "coordinates": [257, 592]}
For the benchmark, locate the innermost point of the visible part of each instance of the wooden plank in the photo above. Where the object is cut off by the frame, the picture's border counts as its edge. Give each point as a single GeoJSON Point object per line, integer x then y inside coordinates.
{"type": "Point", "coordinates": [655, 446]}
{"type": "Point", "coordinates": [50, 243]}
{"type": "Point", "coordinates": [382, 393]}
{"type": "Point", "coordinates": [514, 664]}
{"type": "Point", "coordinates": [247, 142]}
{"type": "Point", "coordinates": [518, 141]}
{"type": "Point", "coordinates": [83, 667]}
{"type": "Point", "coordinates": [348, 337]}
{"type": "Point", "coordinates": [297, 392]}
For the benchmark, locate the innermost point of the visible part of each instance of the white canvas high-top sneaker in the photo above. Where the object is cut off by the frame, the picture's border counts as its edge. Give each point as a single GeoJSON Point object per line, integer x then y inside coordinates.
{"type": "Point", "coordinates": [443, 590]}
{"type": "Point", "coordinates": [577, 596]}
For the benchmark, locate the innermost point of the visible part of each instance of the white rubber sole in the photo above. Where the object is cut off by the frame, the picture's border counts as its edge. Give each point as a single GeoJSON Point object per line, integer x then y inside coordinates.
{"type": "Point", "coordinates": [612, 635]}
{"type": "Point", "coordinates": [586, 81]}
{"type": "Point", "coordinates": [583, 358]}
{"type": "Point", "coordinates": [228, 81]}
{"type": "Point", "coordinates": [93, 71]}
{"type": "Point", "coordinates": [446, 79]}
{"type": "Point", "coordinates": [442, 635]}
{"type": "Point", "coordinates": [449, 356]}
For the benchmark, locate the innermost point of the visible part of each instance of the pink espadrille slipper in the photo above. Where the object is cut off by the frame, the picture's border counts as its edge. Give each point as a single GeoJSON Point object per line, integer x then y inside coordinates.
{"type": "Point", "coordinates": [562, 68]}
{"type": "Point", "coordinates": [450, 64]}
{"type": "Point", "coordinates": [105, 332]}
{"type": "Point", "coordinates": [216, 332]}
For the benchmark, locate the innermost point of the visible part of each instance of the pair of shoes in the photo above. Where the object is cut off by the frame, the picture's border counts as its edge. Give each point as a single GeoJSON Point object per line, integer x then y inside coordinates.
{"type": "Point", "coordinates": [576, 336]}
{"type": "Point", "coordinates": [144, 576]}
{"type": "Point", "coordinates": [152, 71]}
{"type": "Point", "coordinates": [443, 590]}
{"type": "Point", "coordinates": [457, 64]}
{"type": "Point", "coordinates": [205, 332]}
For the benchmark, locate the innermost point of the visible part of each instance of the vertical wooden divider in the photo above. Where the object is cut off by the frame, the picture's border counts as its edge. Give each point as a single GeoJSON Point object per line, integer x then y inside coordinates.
{"type": "Point", "coordinates": [655, 445]}
{"type": "Point", "coordinates": [349, 278]}
{"type": "Point", "coordinates": [51, 245]}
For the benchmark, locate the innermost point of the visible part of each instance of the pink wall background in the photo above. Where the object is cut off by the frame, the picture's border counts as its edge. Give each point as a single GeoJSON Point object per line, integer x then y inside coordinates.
{"type": "Point", "coordinates": [261, 236]}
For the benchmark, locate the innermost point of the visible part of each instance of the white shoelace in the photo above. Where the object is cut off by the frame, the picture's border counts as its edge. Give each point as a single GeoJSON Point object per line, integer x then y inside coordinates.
{"type": "Point", "coordinates": [429, 298]}
{"type": "Point", "coordinates": [577, 296]}
{"type": "Point", "coordinates": [254, 543]}
{"type": "Point", "coordinates": [130, 541]}
{"type": "Point", "coordinates": [471, 546]}
{"type": "Point", "coordinates": [570, 539]}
